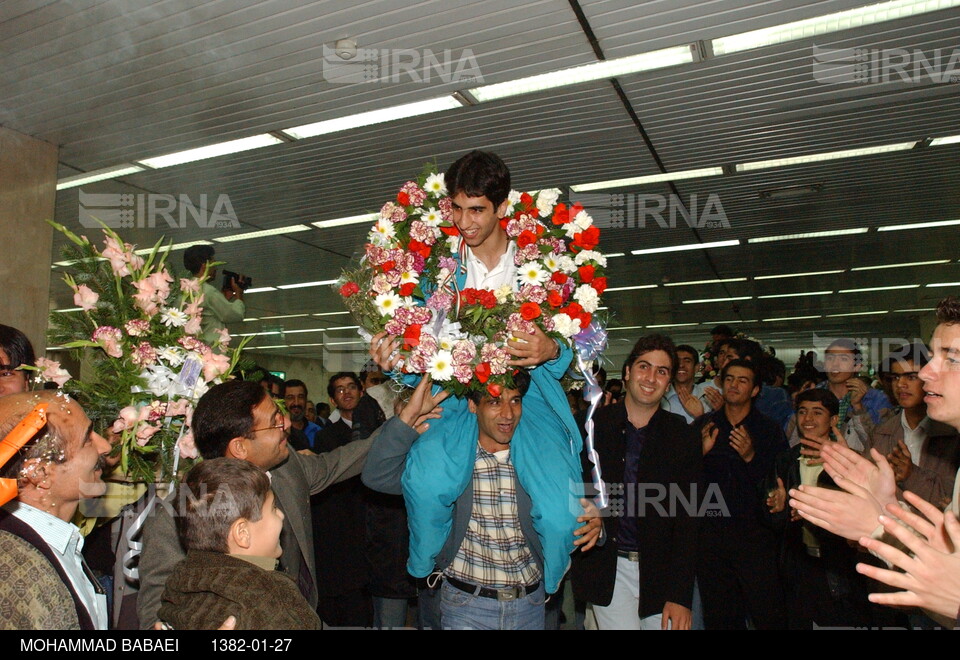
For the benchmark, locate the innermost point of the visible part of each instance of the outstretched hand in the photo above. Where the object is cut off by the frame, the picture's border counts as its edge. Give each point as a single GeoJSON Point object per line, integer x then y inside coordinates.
{"type": "Point", "coordinates": [422, 406]}
{"type": "Point", "coordinates": [385, 351]}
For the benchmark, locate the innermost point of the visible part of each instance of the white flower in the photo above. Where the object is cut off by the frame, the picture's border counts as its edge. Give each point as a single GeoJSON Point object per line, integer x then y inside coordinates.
{"type": "Point", "coordinates": [409, 277]}
{"type": "Point", "coordinates": [176, 318]}
{"type": "Point", "coordinates": [171, 355]}
{"type": "Point", "coordinates": [445, 343]}
{"type": "Point", "coordinates": [591, 255]}
{"type": "Point", "coordinates": [546, 200]}
{"type": "Point", "coordinates": [388, 303]}
{"type": "Point", "coordinates": [382, 232]}
{"type": "Point", "coordinates": [408, 302]}
{"type": "Point", "coordinates": [431, 216]}
{"type": "Point", "coordinates": [441, 365]}
{"type": "Point", "coordinates": [532, 273]}
{"type": "Point", "coordinates": [158, 380]}
{"type": "Point", "coordinates": [587, 296]}
{"type": "Point", "coordinates": [503, 293]}
{"type": "Point", "coordinates": [583, 221]}
{"type": "Point", "coordinates": [551, 262]}
{"type": "Point", "coordinates": [454, 244]}
{"type": "Point", "coordinates": [513, 198]}
{"type": "Point", "coordinates": [435, 185]}
{"type": "Point", "coordinates": [567, 264]}
{"type": "Point", "coordinates": [565, 325]}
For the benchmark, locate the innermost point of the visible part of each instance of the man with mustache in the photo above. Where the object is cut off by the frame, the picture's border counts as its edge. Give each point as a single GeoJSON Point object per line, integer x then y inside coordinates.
{"type": "Point", "coordinates": [303, 432]}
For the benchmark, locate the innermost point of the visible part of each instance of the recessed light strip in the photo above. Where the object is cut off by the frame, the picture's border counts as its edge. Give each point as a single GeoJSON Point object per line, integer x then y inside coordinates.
{"type": "Point", "coordinates": [175, 246]}
{"type": "Point", "coordinates": [652, 178]}
{"type": "Point", "coordinates": [836, 316]}
{"type": "Point", "coordinates": [920, 225]}
{"type": "Point", "coordinates": [632, 288]}
{"type": "Point", "coordinates": [715, 300]}
{"type": "Point", "coordinates": [692, 282]}
{"type": "Point", "coordinates": [796, 295]}
{"type": "Point", "coordinates": [818, 158]}
{"type": "Point", "coordinates": [373, 117]}
{"type": "Point", "coordinates": [790, 318]}
{"type": "Point", "coordinates": [691, 246]}
{"type": "Point", "coordinates": [880, 288]}
{"type": "Point", "coordinates": [292, 229]}
{"type": "Point", "coordinates": [902, 265]}
{"type": "Point", "coordinates": [366, 218]}
{"type": "Point", "coordinates": [98, 175]}
{"type": "Point", "coordinates": [812, 234]}
{"type": "Point", "coordinates": [211, 151]}
{"type": "Point", "coordinates": [785, 275]}
{"type": "Point", "coordinates": [302, 285]}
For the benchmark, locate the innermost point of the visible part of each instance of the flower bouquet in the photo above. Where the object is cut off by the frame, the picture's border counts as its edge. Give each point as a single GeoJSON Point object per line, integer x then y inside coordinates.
{"type": "Point", "coordinates": [407, 285]}
{"type": "Point", "coordinates": [148, 368]}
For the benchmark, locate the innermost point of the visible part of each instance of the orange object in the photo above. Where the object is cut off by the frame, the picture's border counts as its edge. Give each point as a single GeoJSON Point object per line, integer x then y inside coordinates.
{"type": "Point", "coordinates": [14, 441]}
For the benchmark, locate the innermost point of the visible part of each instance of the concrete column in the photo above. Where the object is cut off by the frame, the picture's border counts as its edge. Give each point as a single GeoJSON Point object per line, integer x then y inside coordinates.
{"type": "Point", "coordinates": [28, 190]}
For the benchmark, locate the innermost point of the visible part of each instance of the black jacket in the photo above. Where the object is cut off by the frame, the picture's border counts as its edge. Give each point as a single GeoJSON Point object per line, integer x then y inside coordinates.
{"type": "Point", "coordinates": [670, 460]}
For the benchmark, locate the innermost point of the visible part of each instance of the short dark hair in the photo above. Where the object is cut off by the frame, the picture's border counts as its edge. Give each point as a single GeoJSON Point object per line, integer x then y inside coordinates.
{"type": "Point", "coordinates": [948, 311]}
{"type": "Point", "coordinates": [653, 343]}
{"type": "Point", "coordinates": [770, 368]}
{"type": "Point", "coordinates": [746, 364]}
{"type": "Point", "coordinates": [215, 494]}
{"type": "Point", "coordinates": [17, 347]}
{"type": "Point", "coordinates": [479, 174]}
{"type": "Point", "coordinates": [325, 407]}
{"type": "Point", "coordinates": [687, 348]}
{"type": "Point", "coordinates": [819, 395]}
{"type": "Point", "coordinates": [196, 256]}
{"type": "Point", "coordinates": [225, 412]}
{"type": "Point", "coordinates": [521, 383]}
{"type": "Point", "coordinates": [847, 344]}
{"type": "Point", "coordinates": [295, 382]}
{"type": "Point", "coordinates": [748, 349]}
{"type": "Point", "coordinates": [337, 376]}
{"type": "Point", "coordinates": [722, 329]}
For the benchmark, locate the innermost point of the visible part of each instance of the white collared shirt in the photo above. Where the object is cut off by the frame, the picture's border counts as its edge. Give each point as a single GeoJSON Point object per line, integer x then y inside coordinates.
{"type": "Point", "coordinates": [504, 272]}
{"type": "Point", "coordinates": [66, 542]}
{"type": "Point", "coordinates": [914, 439]}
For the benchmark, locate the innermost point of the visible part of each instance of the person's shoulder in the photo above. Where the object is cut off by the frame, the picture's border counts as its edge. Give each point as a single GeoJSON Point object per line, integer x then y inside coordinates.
{"type": "Point", "coordinates": [888, 426]}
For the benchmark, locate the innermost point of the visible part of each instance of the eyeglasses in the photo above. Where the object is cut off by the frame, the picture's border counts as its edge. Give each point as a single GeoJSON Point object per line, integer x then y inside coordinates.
{"type": "Point", "coordinates": [279, 425]}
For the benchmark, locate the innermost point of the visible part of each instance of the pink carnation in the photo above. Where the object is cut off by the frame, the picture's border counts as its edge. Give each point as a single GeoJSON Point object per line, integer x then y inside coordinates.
{"type": "Point", "coordinates": [440, 301]}
{"type": "Point", "coordinates": [463, 373]}
{"type": "Point", "coordinates": [143, 355]}
{"type": "Point", "coordinates": [464, 351]}
{"type": "Point", "coordinates": [446, 208]}
{"type": "Point", "coordinates": [194, 344]}
{"type": "Point", "coordinates": [393, 212]}
{"type": "Point", "coordinates": [416, 194]}
{"type": "Point", "coordinates": [85, 298]}
{"type": "Point", "coordinates": [533, 293]}
{"type": "Point", "coordinates": [109, 339]}
{"type": "Point", "coordinates": [137, 327]}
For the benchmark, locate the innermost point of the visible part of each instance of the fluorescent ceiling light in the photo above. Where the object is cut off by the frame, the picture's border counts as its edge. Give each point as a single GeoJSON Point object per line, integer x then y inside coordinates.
{"type": "Point", "coordinates": [903, 265]}
{"type": "Point", "coordinates": [341, 343]}
{"type": "Point", "coordinates": [943, 284]}
{"type": "Point", "coordinates": [633, 288]}
{"type": "Point", "coordinates": [298, 332]}
{"type": "Point", "coordinates": [260, 334]}
{"type": "Point", "coordinates": [812, 234]}
{"type": "Point", "coordinates": [880, 288]}
{"type": "Point", "coordinates": [283, 316]}
{"type": "Point", "coordinates": [98, 175]}
{"type": "Point", "coordinates": [344, 327]}
{"type": "Point", "coordinates": [795, 295]}
{"type": "Point", "coordinates": [810, 274]}
{"type": "Point", "coordinates": [790, 318]}
{"type": "Point", "coordinates": [936, 142]}
{"type": "Point", "coordinates": [621, 66]}
{"type": "Point", "coordinates": [352, 220]}
{"type": "Point", "coordinates": [625, 327]}
{"type": "Point", "coordinates": [827, 24]}
{"type": "Point", "coordinates": [302, 285]}
{"type": "Point", "coordinates": [691, 282]}
{"type": "Point", "coordinates": [77, 261]}
{"type": "Point", "coordinates": [920, 225]}
{"type": "Point", "coordinates": [671, 325]}
{"type": "Point", "coordinates": [175, 246]}
{"type": "Point", "coordinates": [67, 309]}
{"type": "Point", "coordinates": [260, 289]}
{"type": "Point", "coordinates": [818, 158]}
{"type": "Point", "coordinates": [330, 313]}
{"type": "Point", "coordinates": [613, 255]}
{"type": "Point", "coordinates": [922, 309]}
{"type": "Point", "coordinates": [292, 229]}
{"type": "Point", "coordinates": [691, 246]}
{"type": "Point", "coordinates": [372, 117]}
{"type": "Point", "coordinates": [263, 348]}
{"type": "Point", "coordinates": [211, 151]}
{"type": "Point", "coordinates": [728, 322]}
{"type": "Point", "coordinates": [251, 319]}
{"type": "Point", "coordinates": [713, 300]}
{"type": "Point", "coordinates": [652, 178]}
{"type": "Point", "coordinates": [834, 316]}
{"type": "Point", "coordinates": [303, 345]}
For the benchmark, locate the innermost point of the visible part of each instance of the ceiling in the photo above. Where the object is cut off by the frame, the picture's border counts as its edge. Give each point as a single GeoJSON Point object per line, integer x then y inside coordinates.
{"type": "Point", "coordinates": [114, 82]}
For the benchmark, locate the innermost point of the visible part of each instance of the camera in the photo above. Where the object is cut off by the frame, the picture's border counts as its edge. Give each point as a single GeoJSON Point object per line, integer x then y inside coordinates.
{"type": "Point", "coordinates": [242, 282]}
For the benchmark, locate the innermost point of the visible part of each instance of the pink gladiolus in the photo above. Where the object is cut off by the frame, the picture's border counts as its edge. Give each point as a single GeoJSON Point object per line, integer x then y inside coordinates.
{"type": "Point", "coordinates": [214, 365]}
{"type": "Point", "coordinates": [115, 254]}
{"type": "Point", "coordinates": [145, 432]}
{"type": "Point", "coordinates": [127, 420]}
{"type": "Point", "coordinates": [177, 408]}
{"type": "Point", "coordinates": [85, 298]}
{"type": "Point", "coordinates": [51, 371]}
{"type": "Point", "coordinates": [188, 449]}
{"type": "Point", "coordinates": [190, 285]}
{"type": "Point", "coordinates": [161, 284]}
{"type": "Point", "coordinates": [193, 326]}
{"type": "Point", "coordinates": [224, 337]}
{"type": "Point", "coordinates": [109, 340]}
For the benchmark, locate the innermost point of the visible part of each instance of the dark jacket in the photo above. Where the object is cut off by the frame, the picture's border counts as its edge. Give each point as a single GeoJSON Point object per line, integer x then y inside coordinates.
{"type": "Point", "coordinates": [667, 531]}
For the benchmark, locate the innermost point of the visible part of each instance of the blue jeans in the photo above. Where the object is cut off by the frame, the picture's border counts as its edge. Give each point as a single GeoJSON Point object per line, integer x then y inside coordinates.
{"type": "Point", "coordinates": [462, 611]}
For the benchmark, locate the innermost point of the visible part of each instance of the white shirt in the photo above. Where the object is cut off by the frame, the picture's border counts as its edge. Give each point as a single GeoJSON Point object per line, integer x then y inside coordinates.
{"type": "Point", "coordinates": [914, 439]}
{"type": "Point", "coordinates": [66, 542]}
{"type": "Point", "coordinates": [504, 272]}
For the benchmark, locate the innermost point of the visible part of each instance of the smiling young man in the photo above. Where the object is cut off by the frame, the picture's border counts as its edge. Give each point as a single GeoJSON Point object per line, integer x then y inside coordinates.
{"type": "Point", "coordinates": [684, 396]}
{"type": "Point", "coordinates": [642, 577]}
{"type": "Point", "coordinates": [737, 571]}
{"type": "Point", "coordinates": [47, 584]}
{"type": "Point", "coordinates": [546, 444]}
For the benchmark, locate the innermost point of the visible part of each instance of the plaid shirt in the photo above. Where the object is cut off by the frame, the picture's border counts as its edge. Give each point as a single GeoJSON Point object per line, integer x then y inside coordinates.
{"type": "Point", "coordinates": [494, 552]}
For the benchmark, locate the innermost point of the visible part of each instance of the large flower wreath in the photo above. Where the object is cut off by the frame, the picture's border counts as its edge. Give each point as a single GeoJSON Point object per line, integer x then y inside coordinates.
{"type": "Point", "coordinates": [406, 284]}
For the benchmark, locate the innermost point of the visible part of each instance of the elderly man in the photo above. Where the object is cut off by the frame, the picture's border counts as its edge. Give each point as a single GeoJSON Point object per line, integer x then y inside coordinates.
{"type": "Point", "coordinates": [47, 584]}
{"type": "Point", "coordinates": [239, 420]}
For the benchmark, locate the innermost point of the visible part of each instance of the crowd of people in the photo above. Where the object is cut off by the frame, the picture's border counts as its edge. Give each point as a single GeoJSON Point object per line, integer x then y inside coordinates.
{"type": "Point", "coordinates": [729, 495]}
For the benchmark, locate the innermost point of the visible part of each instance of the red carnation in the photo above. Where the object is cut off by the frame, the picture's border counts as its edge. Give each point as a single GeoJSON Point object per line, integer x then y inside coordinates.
{"type": "Point", "coordinates": [494, 390]}
{"type": "Point", "coordinates": [349, 289]}
{"type": "Point", "coordinates": [403, 198]}
{"type": "Point", "coordinates": [526, 199]}
{"type": "Point", "coordinates": [388, 265]}
{"type": "Point", "coordinates": [585, 318]}
{"type": "Point", "coordinates": [600, 285]}
{"type": "Point", "coordinates": [407, 289]}
{"type": "Point", "coordinates": [559, 277]}
{"type": "Point", "coordinates": [450, 231]}
{"type": "Point", "coordinates": [483, 371]}
{"type": "Point", "coordinates": [554, 298]}
{"type": "Point", "coordinates": [587, 239]}
{"type": "Point", "coordinates": [419, 248]}
{"type": "Point", "coordinates": [586, 273]}
{"type": "Point", "coordinates": [529, 310]}
{"type": "Point", "coordinates": [526, 238]}
{"type": "Point", "coordinates": [487, 299]}
{"type": "Point", "coordinates": [411, 337]}
{"type": "Point", "coordinates": [561, 215]}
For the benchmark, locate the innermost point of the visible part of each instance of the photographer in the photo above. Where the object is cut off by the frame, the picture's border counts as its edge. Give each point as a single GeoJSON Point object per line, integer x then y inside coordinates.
{"type": "Point", "coordinates": [219, 307]}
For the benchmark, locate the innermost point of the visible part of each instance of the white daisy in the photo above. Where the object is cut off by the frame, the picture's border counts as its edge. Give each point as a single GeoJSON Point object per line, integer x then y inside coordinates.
{"type": "Point", "coordinates": [436, 185]}
{"type": "Point", "coordinates": [382, 232]}
{"type": "Point", "coordinates": [551, 262]}
{"type": "Point", "coordinates": [175, 318]}
{"type": "Point", "coordinates": [445, 343]}
{"type": "Point", "coordinates": [513, 198]}
{"type": "Point", "coordinates": [441, 365]}
{"type": "Point", "coordinates": [171, 355]}
{"type": "Point", "coordinates": [532, 273]}
{"type": "Point", "coordinates": [431, 216]}
{"type": "Point", "coordinates": [409, 277]}
{"type": "Point", "coordinates": [387, 303]}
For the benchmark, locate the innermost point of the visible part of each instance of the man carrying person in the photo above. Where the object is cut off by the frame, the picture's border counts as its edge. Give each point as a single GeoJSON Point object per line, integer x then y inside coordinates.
{"type": "Point", "coordinates": [238, 419]}
{"type": "Point", "coordinates": [491, 561]}
{"type": "Point", "coordinates": [642, 577]}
